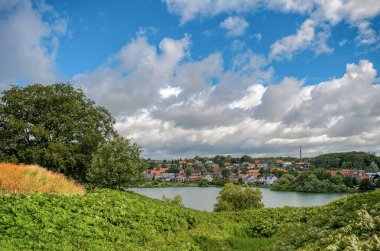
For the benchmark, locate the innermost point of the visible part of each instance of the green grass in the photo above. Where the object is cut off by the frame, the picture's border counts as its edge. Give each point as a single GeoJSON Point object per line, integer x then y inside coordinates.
{"type": "Point", "coordinates": [115, 220]}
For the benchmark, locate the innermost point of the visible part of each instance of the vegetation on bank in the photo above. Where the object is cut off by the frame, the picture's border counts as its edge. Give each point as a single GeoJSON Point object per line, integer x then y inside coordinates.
{"type": "Point", "coordinates": [236, 198]}
{"type": "Point", "coordinates": [32, 178]}
{"type": "Point", "coordinates": [319, 181]}
{"type": "Point", "coordinates": [116, 220]}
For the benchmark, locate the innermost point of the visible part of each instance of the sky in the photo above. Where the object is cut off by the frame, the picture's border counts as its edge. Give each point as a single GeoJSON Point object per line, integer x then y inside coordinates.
{"type": "Point", "coordinates": [206, 77]}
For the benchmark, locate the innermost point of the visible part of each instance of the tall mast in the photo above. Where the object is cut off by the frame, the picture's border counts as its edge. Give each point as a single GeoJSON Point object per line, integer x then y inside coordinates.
{"type": "Point", "coordinates": [300, 152]}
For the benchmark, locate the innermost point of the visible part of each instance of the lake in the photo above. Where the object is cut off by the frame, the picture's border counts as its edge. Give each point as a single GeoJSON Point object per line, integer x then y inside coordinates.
{"type": "Point", "coordinates": [204, 198]}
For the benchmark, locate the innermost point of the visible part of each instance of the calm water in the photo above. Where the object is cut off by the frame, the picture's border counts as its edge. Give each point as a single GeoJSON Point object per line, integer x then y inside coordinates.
{"type": "Point", "coordinates": [204, 198]}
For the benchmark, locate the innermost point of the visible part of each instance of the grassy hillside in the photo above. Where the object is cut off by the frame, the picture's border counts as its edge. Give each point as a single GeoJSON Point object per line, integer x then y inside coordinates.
{"type": "Point", "coordinates": [116, 220]}
{"type": "Point", "coordinates": [30, 178]}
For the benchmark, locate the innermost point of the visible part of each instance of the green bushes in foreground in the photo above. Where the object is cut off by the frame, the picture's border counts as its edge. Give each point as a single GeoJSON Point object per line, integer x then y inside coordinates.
{"type": "Point", "coordinates": [116, 220]}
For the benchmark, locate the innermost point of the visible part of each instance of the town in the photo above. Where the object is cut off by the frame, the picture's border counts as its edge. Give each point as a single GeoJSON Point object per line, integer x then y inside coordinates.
{"type": "Point", "coordinates": [260, 171]}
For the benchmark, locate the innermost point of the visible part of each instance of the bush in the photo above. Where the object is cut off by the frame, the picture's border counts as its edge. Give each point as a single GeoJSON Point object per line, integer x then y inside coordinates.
{"type": "Point", "coordinates": [365, 184]}
{"type": "Point", "coordinates": [235, 198]}
{"type": "Point", "coordinates": [177, 200]}
{"type": "Point", "coordinates": [116, 164]}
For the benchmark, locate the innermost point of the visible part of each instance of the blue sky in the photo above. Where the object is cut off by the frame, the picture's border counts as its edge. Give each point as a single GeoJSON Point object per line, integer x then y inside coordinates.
{"type": "Point", "coordinates": [209, 77]}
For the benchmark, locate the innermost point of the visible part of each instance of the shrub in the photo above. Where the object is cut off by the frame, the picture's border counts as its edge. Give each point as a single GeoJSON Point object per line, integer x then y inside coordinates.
{"type": "Point", "coordinates": [177, 200]}
{"type": "Point", "coordinates": [116, 164]}
{"type": "Point", "coordinates": [235, 198]}
{"type": "Point", "coordinates": [365, 184]}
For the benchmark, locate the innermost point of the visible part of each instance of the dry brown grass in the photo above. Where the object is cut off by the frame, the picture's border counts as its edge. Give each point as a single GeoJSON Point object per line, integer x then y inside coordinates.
{"type": "Point", "coordinates": [32, 178]}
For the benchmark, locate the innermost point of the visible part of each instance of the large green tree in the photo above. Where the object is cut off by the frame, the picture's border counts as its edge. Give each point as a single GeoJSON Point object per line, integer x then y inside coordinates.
{"type": "Point", "coordinates": [117, 164]}
{"type": "Point", "coordinates": [54, 126]}
{"type": "Point", "coordinates": [236, 198]}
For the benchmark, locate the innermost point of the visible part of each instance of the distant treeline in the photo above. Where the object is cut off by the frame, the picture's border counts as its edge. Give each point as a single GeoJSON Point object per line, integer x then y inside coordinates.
{"type": "Point", "coordinates": [343, 160]}
{"type": "Point", "coordinates": [357, 160]}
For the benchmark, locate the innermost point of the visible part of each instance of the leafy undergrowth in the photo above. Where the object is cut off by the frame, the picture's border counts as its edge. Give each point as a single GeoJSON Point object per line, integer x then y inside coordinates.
{"type": "Point", "coordinates": [31, 178]}
{"type": "Point", "coordinates": [116, 220]}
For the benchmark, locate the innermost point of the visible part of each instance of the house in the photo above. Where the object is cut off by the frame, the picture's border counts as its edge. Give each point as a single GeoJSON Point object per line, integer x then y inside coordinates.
{"type": "Point", "coordinates": [251, 165]}
{"type": "Point", "coordinates": [373, 175]}
{"type": "Point", "coordinates": [208, 177]}
{"type": "Point", "coordinates": [163, 169]}
{"type": "Point", "coordinates": [249, 179]}
{"type": "Point", "coordinates": [254, 172]}
{"type": "Point", "coordinates": [262, 165]}
{"type": "Point", "coordinates": [286, 164]}
{"type": "Point", "coordinates": [181, 171]}
{"type": "Point", "coordinates": [268, 179]}
{"type": "Point", "coordinates": [194, 173]}
{"type": "Point", "coordinates": [180, 179]}
{"type": "Point", "coordinates": [166, 177]}
{"type": "Point", "coordinates": [302, 165]}
{"type": "Point", "coordinates": [194, 178]}
{"type": "Point", "coordinates": [359, 174]}
{"type": "Point", "coordinates": [155, 172]}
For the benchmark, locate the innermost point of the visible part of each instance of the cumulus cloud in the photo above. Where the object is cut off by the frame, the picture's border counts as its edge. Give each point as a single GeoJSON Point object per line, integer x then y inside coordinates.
{"type": "Point", "coordinates": [332, 10]}
{"type": "Point", "coordinates": [137, 76]}
{"type": "Point", "coordinates": [28, 43]}
{"type": "Point", "coordinates": [321, 14]}
{"type": "Point", "coordinates": [290, 44]}
{"type": "Point", "coordinates": [190, 107]}
{"type": "Point", "coordinates": [235, 26]}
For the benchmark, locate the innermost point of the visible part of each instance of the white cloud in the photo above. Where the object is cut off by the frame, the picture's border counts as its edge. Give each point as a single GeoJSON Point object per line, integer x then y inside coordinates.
{"type": "Point", "coordinates": [251, 99]}
{"type": "Point", "coordinates": [190, 107]}
{"type": "Point", "coordinates": [349, 10]}
{"type": "Point", "coordinates": [323, 13]}
{"type": "Point", "coordinates": [169, 91]}
{"type": "Point", "coordinates": [235, 26]}
{"type": "Point", "coordinates": [367, 35]}
{"type": "Point", "coordinates": [306, 37]}
{"type": "Point", "coordinates": [28, 43]}
{"type": "Point", "coordinates": [332, 10]}
{"type": "Point", "coordinates": [285, 47]}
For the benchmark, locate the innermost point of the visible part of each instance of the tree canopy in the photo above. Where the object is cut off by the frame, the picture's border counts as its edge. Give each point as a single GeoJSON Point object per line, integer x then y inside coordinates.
{"type": "Point", "coordinates": [236, 198]}
{"type": "Point", "coordinates": [116, 164]}
{"type": "Point", "coordinates": [358, 160]}
{"type": "Point", "coordinates": [54, 126]}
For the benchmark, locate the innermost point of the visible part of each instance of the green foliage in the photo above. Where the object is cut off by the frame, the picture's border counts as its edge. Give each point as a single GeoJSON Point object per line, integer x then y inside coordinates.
{"type": "Point", "coordinates": [116, 220]}
{"type": "Point", "coordinates": [236, 198]}
{"type": "Point", "coordinates": [352, 223]}
{"type": "Point", "coordinates": [313, 181]}
{"type": "Point", "coordinates": [373, 166]}
{"type": "Point", "coordinates": [377, 184]}
{"type": "Point", "coordinates": [203, 183]}
{"type": "Point", "coordinates": [365, 184]}
{"type": "Point", "coordinates": [358, 160]}
{"type": "Point", "coordinates": [117, 164]}
{"type": "Point", "coordinates": [101, 220]}
{"type": "Point", "coordinates": [54, 126]}
{"type": "Point", "coordinates": [177, 200]}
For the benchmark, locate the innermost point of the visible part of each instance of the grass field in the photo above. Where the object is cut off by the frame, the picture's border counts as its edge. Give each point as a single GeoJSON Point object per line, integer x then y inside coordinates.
{"type": "Point", "coordinates": [31, 178]}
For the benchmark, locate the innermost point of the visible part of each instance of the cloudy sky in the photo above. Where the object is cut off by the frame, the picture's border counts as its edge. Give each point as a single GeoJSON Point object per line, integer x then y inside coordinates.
{"type": "Point", "coordinates": [206, 77]}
